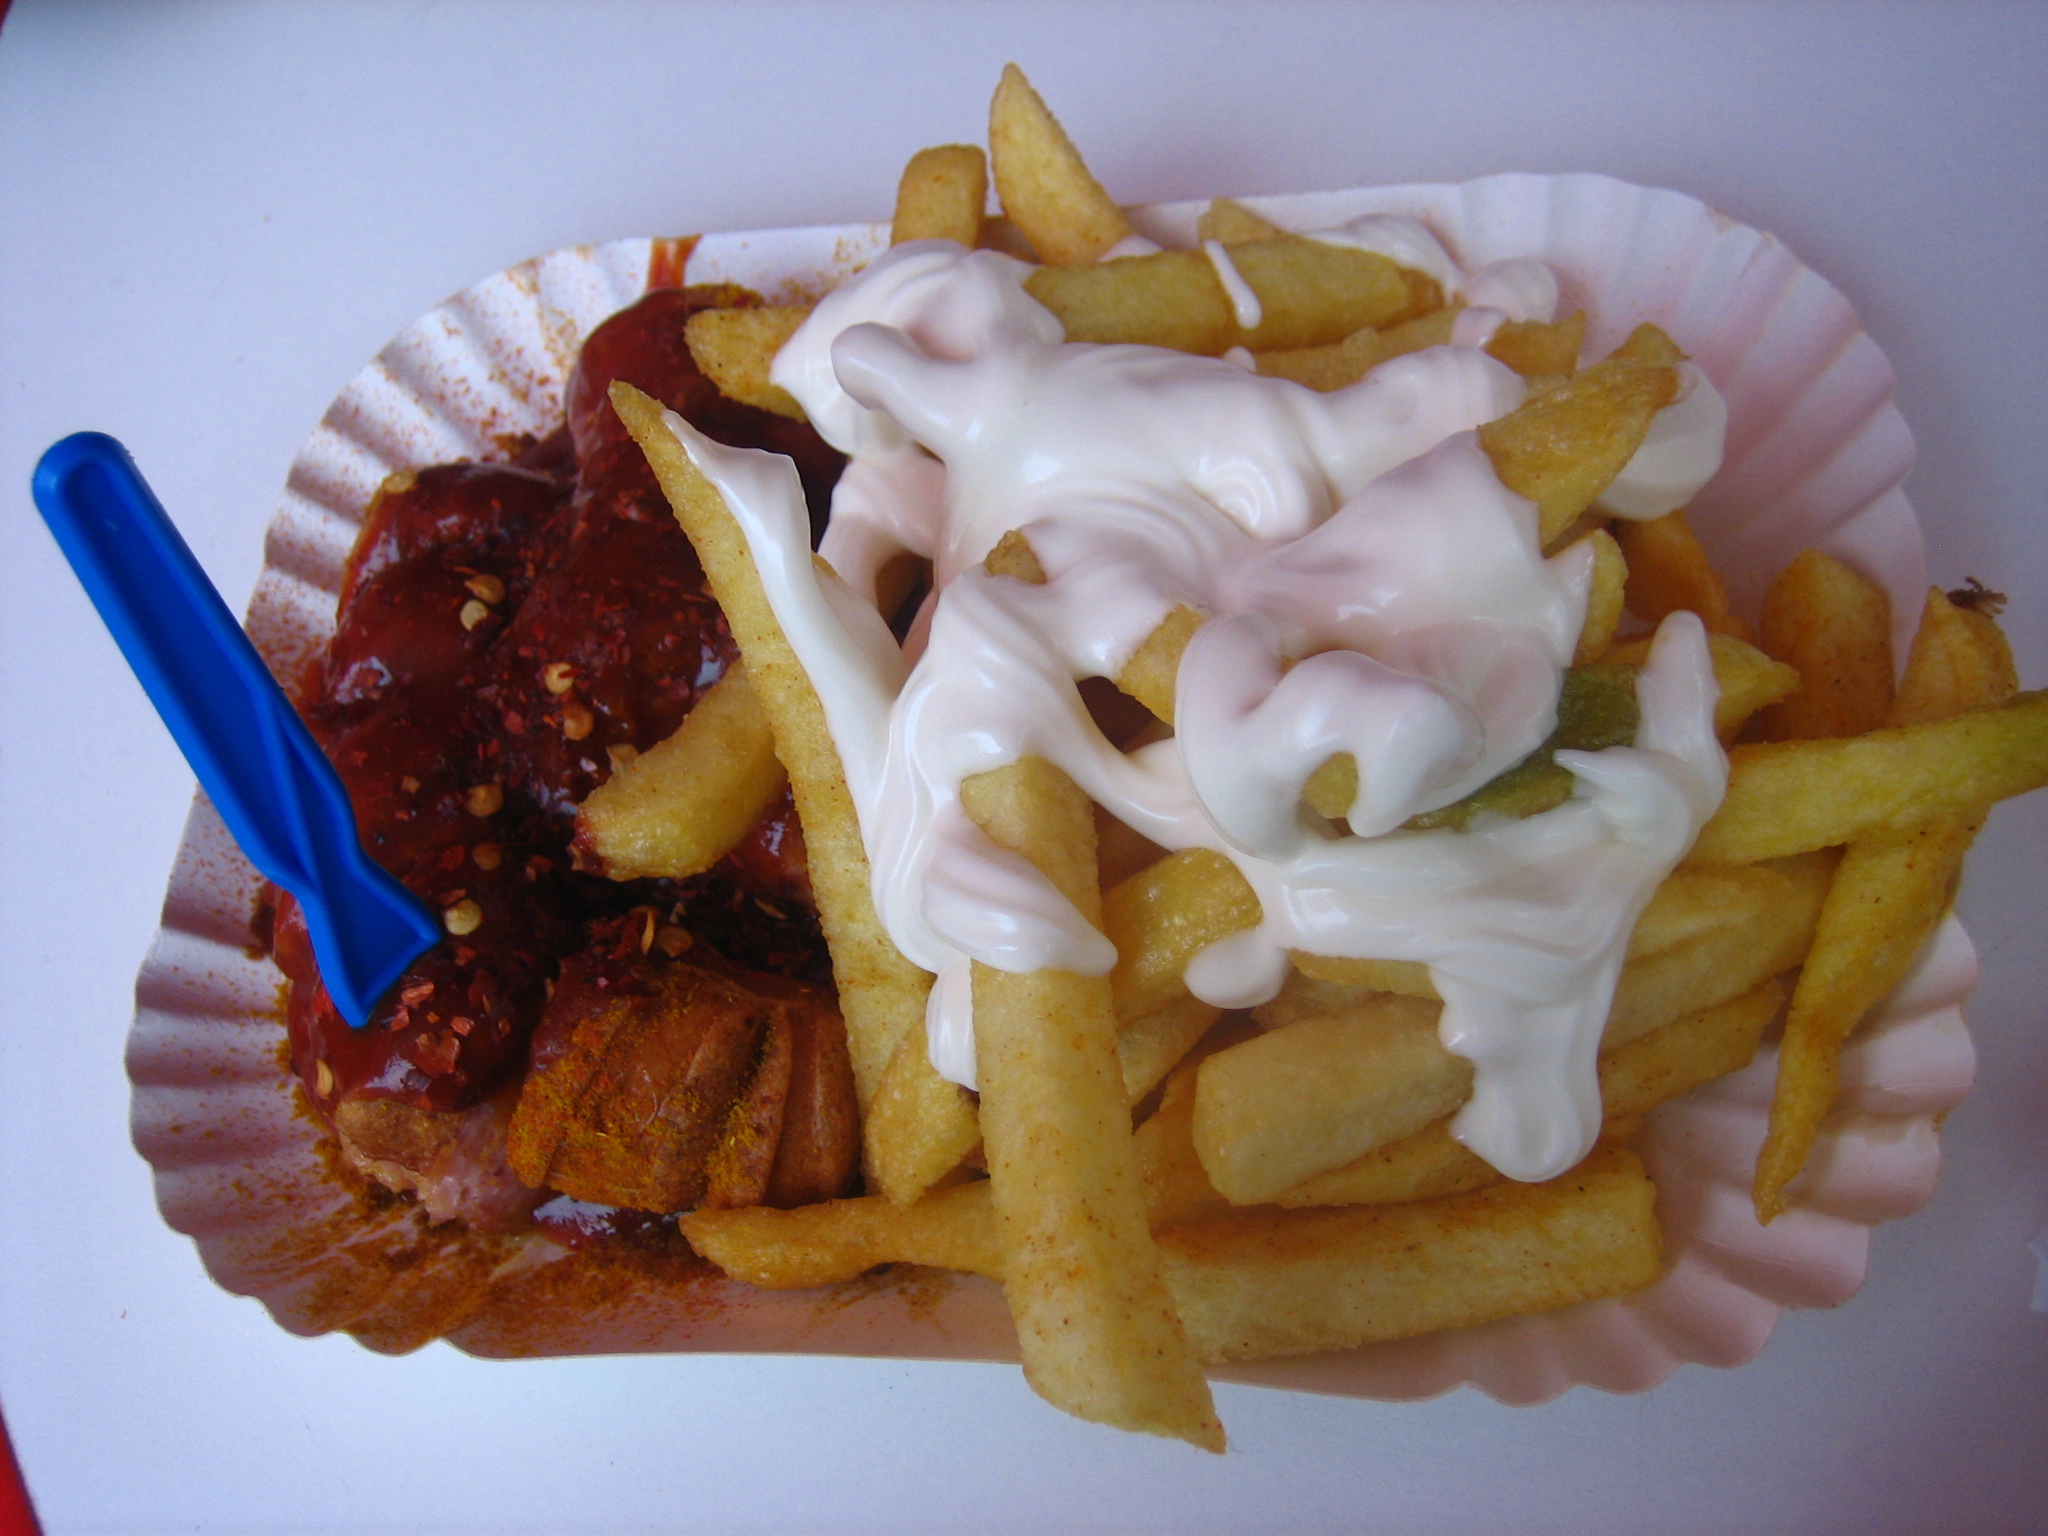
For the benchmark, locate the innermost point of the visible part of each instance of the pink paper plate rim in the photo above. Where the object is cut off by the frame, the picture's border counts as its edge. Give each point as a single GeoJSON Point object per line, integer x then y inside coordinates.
{"type": "Point", "coordinates": [1817, 456]}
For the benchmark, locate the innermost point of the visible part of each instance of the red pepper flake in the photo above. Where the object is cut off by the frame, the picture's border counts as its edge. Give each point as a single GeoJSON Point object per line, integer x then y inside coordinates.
{"type": "Point", "coordinates": [462, 1024]}
{"type": "Point", "coordinates": [465, 955]}
{"type": "Point", "coordinates": [417, 992]}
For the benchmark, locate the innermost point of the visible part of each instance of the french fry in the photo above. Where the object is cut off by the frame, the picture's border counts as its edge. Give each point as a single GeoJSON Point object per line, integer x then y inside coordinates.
{"type": "Point", "coordinates": [1736, 907]}
{"type": "Point", "coordinates": [1042, 182]}
{"type": "Point", "coordinates": [1563, 445]}
{"type": "Point", "coordinates": [1410, 978]}
{"type": "Point", "coordinates": [1149, 675]}
{"type": "Point", "coordinates": [1321, 1092]}
{"type": "Point", "coordinates": [1150, 1039]}
{"type": "Point", "coordinates": [954, 1229]}
{"type": "Point", "coordinates": [1540, 348]}
{"type": "Point", "coordinates": [1149, 1046]}
{"type": "Point", "coordinates": [1959, 660]}
{"type": "Point", "coordinates": [1162, 917]}
{"type": "Point", "coordinates": [1347, 1096]}
{"type": "Point", "coordinates": [1701, 1046]}
{"type": "Point", "coordinates": [1891, 890]}
{"type": "Point", "coordinates": [1269, 1283]}
{"type": "Point", "coordinates": [1338, 363]}
{"type": "Point", "coordinates": [1122, 851]}
{"type": "Point", "coordinates": [942, 195]}
{"type": "Point", "coordinates": [1604, 600]}
{"type": "Point", "coordinates": [1701, 944]}
{"type": "Point", "coordinates": [839, 1239]}
{"type": "Point", "coordinates": [1724, 962]}
{"type": "Point", "coordinates": [1286, 1103]}
{"type": "Point", "coordinates": [918, 1125]}
{"type": "Point", "coordinates": [1748, 679]}
{"type": "Point", "coordinates": [735, 348]}
{"type": "Point", "coordinates": [681, 806]}
{"type": "Point", "coordinates": [1264, 1283]}
{"type": "Point", "coordinates": [1692, 903]}
{"type": "Point", "coordinates": [1176, 1184]}
{"type": "Point", "coordinates": [1095, 1325]}
{"type": "Point", "coordinates": [1668, 570]}
{"type": "Point", "coordinates": [948, 1229]}
{"type": "Point", "coordinates": [1231, 223]}
{"type": "Point", "coordinates": [1789, 797]}
{"type": "Point", "coordinates": [1834, 628]}
{"type": "Point", "coordinates": [1309, 294]}
{"type": "Point", "coordinates": [881, 994]}
{"type": "Point", "coordinates": [1275, 1106]}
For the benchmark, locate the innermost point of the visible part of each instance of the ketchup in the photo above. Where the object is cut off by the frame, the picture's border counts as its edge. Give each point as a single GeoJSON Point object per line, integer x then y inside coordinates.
{"type": "Point", "coordinates": [502, 630]}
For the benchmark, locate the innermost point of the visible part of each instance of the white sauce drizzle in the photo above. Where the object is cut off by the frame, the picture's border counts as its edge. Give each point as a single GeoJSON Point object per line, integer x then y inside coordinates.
{"type": "Point", "coordinates": [1678, 456]}
{"type": "Point", "coordinates": [1244, 304]}
{"type": "Point", "coordinates": [1360, 534]}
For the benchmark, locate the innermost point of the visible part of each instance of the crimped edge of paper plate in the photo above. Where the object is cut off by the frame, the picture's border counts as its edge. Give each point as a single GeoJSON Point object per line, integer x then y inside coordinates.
{"type": "Point", "coordinates": [1817, 454]}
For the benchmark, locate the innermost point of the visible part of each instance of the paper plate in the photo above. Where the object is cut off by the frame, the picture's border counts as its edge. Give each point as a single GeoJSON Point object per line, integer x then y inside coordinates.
{"type": "Point", "coordinates": [1816, 456]}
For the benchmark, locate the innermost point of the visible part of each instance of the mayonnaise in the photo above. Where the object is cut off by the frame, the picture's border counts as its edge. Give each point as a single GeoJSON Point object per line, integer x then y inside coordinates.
{"type": "Point", "coordinates": [1372, 589]}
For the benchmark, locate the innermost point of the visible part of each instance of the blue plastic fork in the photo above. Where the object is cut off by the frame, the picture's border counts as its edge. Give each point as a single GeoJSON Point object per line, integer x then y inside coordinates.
{"type": "Point", "coordinates": [253, 755]}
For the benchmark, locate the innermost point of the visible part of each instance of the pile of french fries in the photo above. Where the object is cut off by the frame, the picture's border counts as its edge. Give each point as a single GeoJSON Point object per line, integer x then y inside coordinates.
{"type": "Point", "coordinates": [1291, 1183]}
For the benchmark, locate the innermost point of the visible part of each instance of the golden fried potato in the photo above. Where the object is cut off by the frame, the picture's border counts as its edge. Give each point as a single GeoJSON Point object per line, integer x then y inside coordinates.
{"type": "Point", "coordinates": [881, 994]}
{"type": "Point", "coordinates": [840, 1239]}
{"type": "Point", "coordinates": [1149, 1046]}
{"type": "Point", "coordinates": [1748, 679]}
{"type": "Point", "coordinates": [1702, 942]}
{"type": "Point", "coordinates": [1834, 628]}
{"type": "Point", "coordinates": [1791, 796]}
{"type": "Point", "coordinates": [1565, 444]}
{"type": "Point", "coordinates": [1262, 1283]}
{"type": "Point", "coordinates": [1708, 938]}
{"type": "Point", "coordinates": [1891, 890]}
{"type": "Point", "coordinates": [682, 805]}
{"type": "Point", "coordinates": [1162, 917]}
{"type": "Point", "coordinates": [942, 195]}
{"type": "Point", "coordinates": [1638, 1075]}
{"type": "Point", "coordinates": [1960, 659]}
{"type": "Point", "coordinates": [1042, 182]}
{"type": "Point", "coordinates": [1540, 349]}
{"type": "Point", "coordinates": [1149, 675]}
{"type": "Point", "coordinates": [1320, 1092]}
{"type": "Point", "coordinates": [735, 348]}
{"type": "Point", "coordinates": [1095, 1325]}
{"type": "Point", "coordinates": [1339, 363]}
{"type": "Point", "coordinates": [1604, 601]}
{"type": "Point", "coordinates": [1309, 294]}
{"type": "Point", "coordinates": [1176, 1184]}
{"type": "Point", "coordinates": [1668, 570]}
{"type": "Point", "coordinates": [1231, 223]}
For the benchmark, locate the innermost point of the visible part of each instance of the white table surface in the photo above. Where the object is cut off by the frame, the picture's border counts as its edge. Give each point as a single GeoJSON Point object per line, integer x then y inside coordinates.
{"type": "Point", "coordinates": [210, 216]}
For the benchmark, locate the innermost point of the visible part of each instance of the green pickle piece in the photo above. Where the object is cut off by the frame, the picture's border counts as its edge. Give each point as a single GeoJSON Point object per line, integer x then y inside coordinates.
{"type": "Point", "coordinates": [1596, 708]}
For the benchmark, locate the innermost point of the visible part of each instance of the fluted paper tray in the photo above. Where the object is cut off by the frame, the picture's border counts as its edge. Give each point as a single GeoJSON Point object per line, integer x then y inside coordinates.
{"type": "Point", "coordinates": [1816, 456]}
